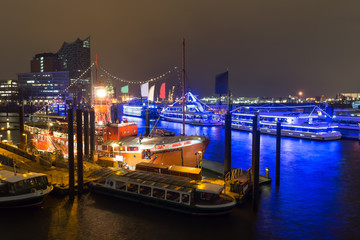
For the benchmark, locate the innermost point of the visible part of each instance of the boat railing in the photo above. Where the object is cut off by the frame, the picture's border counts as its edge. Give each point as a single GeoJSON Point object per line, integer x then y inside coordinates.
{"type": "Point", "coordinates": [159, 190]}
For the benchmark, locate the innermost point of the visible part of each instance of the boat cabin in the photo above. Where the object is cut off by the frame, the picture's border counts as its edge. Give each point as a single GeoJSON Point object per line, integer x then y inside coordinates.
{"type": "Point", "coordinates": [11, 184]}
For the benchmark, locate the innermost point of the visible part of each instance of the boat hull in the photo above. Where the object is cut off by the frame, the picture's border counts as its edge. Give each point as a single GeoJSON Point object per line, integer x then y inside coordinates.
{"type": "Point", "coordinates": [294, 134]}
{"type": "Point", "coordinates": [197, 122]}
{"type": "Point", "coordinates": [182, 156]}
{"type": "Point", "coordinates": [25, 200]}
{"type": "Point", "coordinates": [155, 202]}
{"type": "Point", "coordinates": [140, 111]}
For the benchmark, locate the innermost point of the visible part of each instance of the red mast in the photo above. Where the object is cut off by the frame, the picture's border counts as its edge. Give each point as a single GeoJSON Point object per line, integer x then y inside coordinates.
{"type": "Point", "coordinates": [183, 78]}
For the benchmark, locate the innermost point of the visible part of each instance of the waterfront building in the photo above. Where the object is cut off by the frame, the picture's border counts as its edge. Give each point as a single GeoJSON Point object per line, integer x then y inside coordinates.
{"type": "Point", "coordinates": [45, 62]}
{"type": "Point", "coordinates": [348, 97]}
{"type": "Point", "coordinates": [75, 58]}
{"type": "Point", "coordinates": [9, 91]}
{"type": "Point", "coordinates": [42, 87]}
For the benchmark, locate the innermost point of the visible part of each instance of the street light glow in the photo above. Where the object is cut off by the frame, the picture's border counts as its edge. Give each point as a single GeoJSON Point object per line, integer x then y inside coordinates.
{"type": "Point", "coordinates": [101, 93]}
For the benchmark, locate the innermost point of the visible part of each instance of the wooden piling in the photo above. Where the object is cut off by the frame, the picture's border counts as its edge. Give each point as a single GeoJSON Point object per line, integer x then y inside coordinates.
{"type": "Point", "coordinates": [255, 161]}
{"type": "Point", "coordinates": [278, 148]}
{"type": "Point", "coordinates": [79, 150]}
{"type": "Point", "coordinates": [227, 157]}
{"type": "Point", "coordinates": [92, 134]}
{"type": "Point", "coordinates": [71, 151]}
{"type": "Point", "coordinates": [21, 127]}
{"type": "Point", "coordinates": [86, 134]}
{"type": "Point", "coordinates": [147, 122]}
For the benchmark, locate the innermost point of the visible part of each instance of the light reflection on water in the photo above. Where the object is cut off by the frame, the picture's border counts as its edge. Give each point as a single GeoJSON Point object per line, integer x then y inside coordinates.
{"type": "Point", "coordinates": [318, 198]}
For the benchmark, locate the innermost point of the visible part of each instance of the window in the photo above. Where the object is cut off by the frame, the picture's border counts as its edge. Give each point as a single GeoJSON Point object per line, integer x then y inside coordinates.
{"type": "Point", "coordinates": [120, 186]}
{"type": "Point", "coordinates": [185, 198]}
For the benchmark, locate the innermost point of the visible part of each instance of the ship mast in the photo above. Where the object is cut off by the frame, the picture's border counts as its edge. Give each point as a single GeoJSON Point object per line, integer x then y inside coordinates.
{"type": "Point", "coordinates": [96, 68]}
{"type": "Point", "coordinates": [183, 79]}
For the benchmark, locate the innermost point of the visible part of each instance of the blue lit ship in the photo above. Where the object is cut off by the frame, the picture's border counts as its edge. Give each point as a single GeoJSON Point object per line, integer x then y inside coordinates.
{"type": "Point", "coordinates": [348, 121]}
{"type": "Point", "coordinates": [293, 124]}
{"type": "Point", "coordinates": [137, 108]}
{"type": "Point", "coordinates": [196, 112]}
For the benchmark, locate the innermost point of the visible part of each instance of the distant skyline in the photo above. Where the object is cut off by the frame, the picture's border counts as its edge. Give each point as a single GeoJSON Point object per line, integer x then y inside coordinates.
{"type": "Point", "coordinates": [271, 48]}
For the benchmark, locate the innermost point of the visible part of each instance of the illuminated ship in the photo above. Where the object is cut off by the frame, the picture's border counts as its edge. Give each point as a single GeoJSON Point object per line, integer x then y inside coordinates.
{"type": "Point", "coordinates": [137, 108]}
{"type": "Point", "coordinates": [293, 124]}
{"type": "Point", "coordinates": [348, 121]}
{"type": "Point", "coordinates": [196, 112]}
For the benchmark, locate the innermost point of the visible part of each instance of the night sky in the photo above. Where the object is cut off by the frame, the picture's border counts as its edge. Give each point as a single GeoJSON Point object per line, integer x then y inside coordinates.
{"type": "Point", "coordinates": [270, 47]}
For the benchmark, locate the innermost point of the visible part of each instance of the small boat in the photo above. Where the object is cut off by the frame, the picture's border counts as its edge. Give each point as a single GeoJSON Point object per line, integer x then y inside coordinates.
{"type": "Point", "coordinates": [175, 193]}
{"type": "Point", "coordinates": [23, 190]}
{"type": "Point", "coordinates": [196, 112]}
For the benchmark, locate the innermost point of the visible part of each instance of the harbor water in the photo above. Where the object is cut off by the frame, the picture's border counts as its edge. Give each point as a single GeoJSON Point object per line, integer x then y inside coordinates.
{"type": "Point", "coordinates": [318, 198]}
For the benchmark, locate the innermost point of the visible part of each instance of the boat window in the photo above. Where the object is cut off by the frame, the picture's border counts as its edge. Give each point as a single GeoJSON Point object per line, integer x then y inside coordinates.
{"type": "Point", "coordinates": [3, 189]}
{"type": "Point", "coordinates": [132, 149]}
{"type": "Point", "coordinates": [173, 196]}
{"type": "Point", "coordinates": [206, 196]}
{"type": "Point", "coordinates": [145, 190]}
{"type": "Point", "coordinates": [185, 198]}
{"type": "Point", "coordinates": [131, 187]}
{"type": "Point", "coordinates": [159, 193]}
{"type": "Point", "coordinates": [120, 185]}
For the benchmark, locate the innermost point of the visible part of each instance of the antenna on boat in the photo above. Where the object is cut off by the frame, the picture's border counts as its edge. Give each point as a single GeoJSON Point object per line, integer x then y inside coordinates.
{"type": "Point", "coordinates": [183, 83]}
{"type": "Point", "coordinates": [14, 167]}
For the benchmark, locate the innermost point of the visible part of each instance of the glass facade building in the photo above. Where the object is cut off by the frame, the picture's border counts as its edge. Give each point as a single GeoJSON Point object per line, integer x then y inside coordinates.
{"type": "Point", "coordinates": [42, 87]}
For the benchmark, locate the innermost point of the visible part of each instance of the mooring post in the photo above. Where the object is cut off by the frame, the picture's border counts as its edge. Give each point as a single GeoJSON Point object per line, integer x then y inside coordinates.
{"type": "Point", "coordinates": [255, 161]}
{"type": "Point", "coordinates": [79, 149]}
{"type": "Point", "coordinates": [115, 113]}
{"type": "Point", "coordinates": [86, 134]}
{"type": "Point", "coordinates": [278, 149]}
{"type": "Point", "coordinates": [147, 122]}
{"type": "Point", "coordinates": [31, 111]}
{"type": "Point", "coordinates": [71, 151]}
{"type": "Point", "coordinates": [22, 132]}
{"type": "Point", "coordinates": [92, 134]}
{"type": "Point", "coordinates": [227, 157]}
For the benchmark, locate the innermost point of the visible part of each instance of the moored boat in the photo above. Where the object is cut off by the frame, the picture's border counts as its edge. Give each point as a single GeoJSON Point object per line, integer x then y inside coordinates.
{"type": "Point", "coordinates": [293, 124]}
{"type": "Point", "coordinates": [137, 108]}
{"type": "Point", "coordinates": [196, 112]}
{"type": "Point", "coordinates": [166, 191]}
{"type": "Point", "coordinates": [23, 190]}
{"type": "Point", "coordinates": [348, 121]}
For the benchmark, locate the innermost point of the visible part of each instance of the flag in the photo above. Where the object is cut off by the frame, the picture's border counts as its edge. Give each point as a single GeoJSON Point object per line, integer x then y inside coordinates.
{"type": "Point", "coordinates": [151, 93]}
{"type": "Point", "coordinates": [125, 89]}
{"type": "Point", "coordinates": [162, 91]}
{"type": "Point", "coordinates": [145, 89]}
{"type": "Point", "coordinates": [221, 84]}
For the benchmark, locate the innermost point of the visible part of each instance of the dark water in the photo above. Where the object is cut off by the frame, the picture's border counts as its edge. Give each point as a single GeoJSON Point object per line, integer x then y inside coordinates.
{"type": "Point", "coordinates": [318, 198]}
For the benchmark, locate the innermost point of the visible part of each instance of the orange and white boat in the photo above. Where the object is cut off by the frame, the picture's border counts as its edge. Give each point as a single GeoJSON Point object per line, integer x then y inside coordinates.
{"type": "Point", "coordinates": [168, 150]}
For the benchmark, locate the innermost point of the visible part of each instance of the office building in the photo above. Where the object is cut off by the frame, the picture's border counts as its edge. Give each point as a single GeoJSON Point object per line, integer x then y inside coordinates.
{"type": "Point", "coordinates": [43, 87]}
